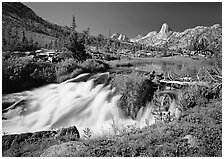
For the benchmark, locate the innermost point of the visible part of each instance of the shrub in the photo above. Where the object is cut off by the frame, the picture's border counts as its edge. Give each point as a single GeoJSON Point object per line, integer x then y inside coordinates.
{"type": "Point", "coordinates": [136, 91]}
{"type": "Point", "coordinates": [76, 46]}
{"type": "Point", "coordinates": [20, 73]}
{"type": "Point", "coordinates": [93, 66]}
{"type": "Point", "coordinates": [198, 95]}
{"type": "Point", "coordinates": [66, 67]}
{"type": "Point", "coordinates": [69, 68]}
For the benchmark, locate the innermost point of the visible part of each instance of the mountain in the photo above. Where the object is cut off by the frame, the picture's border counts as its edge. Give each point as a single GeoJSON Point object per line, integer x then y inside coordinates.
{"type": "Point", "coordinates": [200, 35]}
{"type": "Point", "coordinates": [154, 38]}
{"type": "Point", "coordinates": [18, 18]}
{"type": "Point", "coordinates": [211, 37]}
{"type": "Point", "coordinates": [136, 38]}
{"type": "Point", "coordinates": [120, 37]}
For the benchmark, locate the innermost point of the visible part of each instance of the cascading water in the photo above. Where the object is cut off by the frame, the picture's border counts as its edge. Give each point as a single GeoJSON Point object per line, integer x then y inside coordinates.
{"type": "Point", "coordinates": [85, 102]}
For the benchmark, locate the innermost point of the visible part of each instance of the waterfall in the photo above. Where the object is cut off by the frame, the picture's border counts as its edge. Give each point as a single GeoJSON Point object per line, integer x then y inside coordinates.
{"type": "Point", "coordinates": [86, 101]}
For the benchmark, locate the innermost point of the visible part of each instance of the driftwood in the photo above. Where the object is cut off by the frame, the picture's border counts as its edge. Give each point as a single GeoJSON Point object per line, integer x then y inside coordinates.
{"type": "Point", "coordinates": [13, 106]}
{"type": "Point", "coordinates": [218, 76]}
{"type": "Point", "coordinates": [185, 83]}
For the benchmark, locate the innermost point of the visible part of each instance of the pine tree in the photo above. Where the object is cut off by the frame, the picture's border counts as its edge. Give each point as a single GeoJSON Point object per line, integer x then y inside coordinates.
{"type": "Point", "coordinates": [4, 42]}
{"type": "Point", "coordinates": [15, 40]}
{"type": "Point", "coordinates": [86, 35]}
{"type": "Point", "coordinates": [73, 23]}
{"type": "Point", "coordinates": [76, 46]}
{"type": "Point", "coordinates": [24, 39]}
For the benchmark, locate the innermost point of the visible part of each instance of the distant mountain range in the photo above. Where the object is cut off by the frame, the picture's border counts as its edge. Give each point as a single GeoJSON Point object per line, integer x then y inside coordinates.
{"type": "Point", "coordinates": [120, 37]}
{"type": "Point", "coordinates": [211, 36]}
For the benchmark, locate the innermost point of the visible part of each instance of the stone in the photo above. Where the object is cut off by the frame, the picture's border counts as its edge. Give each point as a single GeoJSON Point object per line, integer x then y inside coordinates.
{"type": "Point", "coordinates": [33, 144]}
{"type": "Point", "coordinates": [63, 150]}
{"type": "Point", "coordinates": [192, 141]}
{"type": "Point", "coordinates": [69, 132]}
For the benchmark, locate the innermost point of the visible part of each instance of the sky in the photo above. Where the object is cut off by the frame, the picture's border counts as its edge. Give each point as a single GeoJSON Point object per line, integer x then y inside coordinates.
{"type": "Point", "coordinates": [129, 18]}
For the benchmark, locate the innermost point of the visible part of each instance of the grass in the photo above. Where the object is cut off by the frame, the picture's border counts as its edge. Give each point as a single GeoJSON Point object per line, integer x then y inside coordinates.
{"type": "Point", "coordinates": [178, 66]}
{"type": "Point", "coordinates": [142, 61]}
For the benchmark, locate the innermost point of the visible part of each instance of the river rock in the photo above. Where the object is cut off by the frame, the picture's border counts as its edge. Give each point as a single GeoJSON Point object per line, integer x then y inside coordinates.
{"type": "Point", "coordinates": [192, 141]}
{"type": "Point", "coordinates": [67, 149]}
{"type": "Point", "coordinates": [33, 144]}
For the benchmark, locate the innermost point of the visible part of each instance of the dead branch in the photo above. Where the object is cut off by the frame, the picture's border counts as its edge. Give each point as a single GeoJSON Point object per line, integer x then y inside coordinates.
{"type": "Point", "coordinates": [218, 76]}
{"type": "Point", "coordinates": [185, 83]}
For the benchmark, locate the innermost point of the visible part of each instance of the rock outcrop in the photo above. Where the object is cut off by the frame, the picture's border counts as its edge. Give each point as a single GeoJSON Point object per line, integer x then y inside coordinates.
{"type": "Point", "coordinates": [34, 144]}
{"type": "Point", "coordinates": [68, 149]}
{"type": "Point", "coordinates": [164, 29]}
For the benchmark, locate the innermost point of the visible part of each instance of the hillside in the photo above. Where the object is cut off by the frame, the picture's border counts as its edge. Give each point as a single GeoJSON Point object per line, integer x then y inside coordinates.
{"type": "Point", "coordinates": [16, 17]}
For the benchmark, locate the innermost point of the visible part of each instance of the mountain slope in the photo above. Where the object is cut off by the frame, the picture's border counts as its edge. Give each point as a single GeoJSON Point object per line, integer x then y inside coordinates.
{"type": "Point", "coordinates": [21, 15]}
{"type": "Point", "coordinates": [136, 38]}
{"type": "Point", "coordinates": [16, 18]}
{"type": "Point", "coordinates": [210, 36]}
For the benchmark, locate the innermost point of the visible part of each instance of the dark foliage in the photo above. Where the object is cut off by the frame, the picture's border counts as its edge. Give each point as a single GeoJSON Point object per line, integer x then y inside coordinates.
{"type": "Point", "coordinates": [136, 90]}
{"type": "Point", "coordinates": [23, 73]}
{"type": "Point", "coordinates": [76, 46]}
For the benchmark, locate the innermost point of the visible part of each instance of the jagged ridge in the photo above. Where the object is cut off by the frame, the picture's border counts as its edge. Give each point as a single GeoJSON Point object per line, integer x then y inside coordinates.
{"type": "Point", "coordinates": [174, 40]}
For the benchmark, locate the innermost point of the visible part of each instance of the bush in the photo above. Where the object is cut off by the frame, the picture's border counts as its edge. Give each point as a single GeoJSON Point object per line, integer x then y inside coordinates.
{"type": "Point", "coordinates": [76, 46]}
{"type": "Point", "coordinates": [93, 66]}
{"type": "Point", "coordinates": [66, 66]}
{"type": "Point", "coordinates": [23, 73]}
{"type": "Point", "coordinates": [20, 73]}
{"type": "Point", "coordinates": [69, 68]}
{"type": "Point", "coordinates": [136, 91]}
{"type": "Point", "coordinates": [198, 95]}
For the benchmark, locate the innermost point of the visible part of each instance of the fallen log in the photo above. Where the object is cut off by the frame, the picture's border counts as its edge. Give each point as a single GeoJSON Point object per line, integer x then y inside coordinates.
{"type": "Point", "coordinates": [186, 83]}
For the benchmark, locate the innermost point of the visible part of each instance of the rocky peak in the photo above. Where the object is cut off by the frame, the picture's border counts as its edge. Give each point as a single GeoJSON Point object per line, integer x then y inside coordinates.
{"type": "Point", "coordinates": [164, 29]}
{"type": "Point", "coordinates": [120, 37]}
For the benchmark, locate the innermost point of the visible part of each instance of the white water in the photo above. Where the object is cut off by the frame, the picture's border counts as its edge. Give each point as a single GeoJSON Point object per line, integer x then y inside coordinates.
{"type": "Point", "coordinates": [83, 102]}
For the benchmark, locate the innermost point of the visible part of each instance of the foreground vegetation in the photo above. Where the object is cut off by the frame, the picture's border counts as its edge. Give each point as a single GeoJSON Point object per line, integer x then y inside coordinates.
{"type": "Point", "coordinates": [202, 123]}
